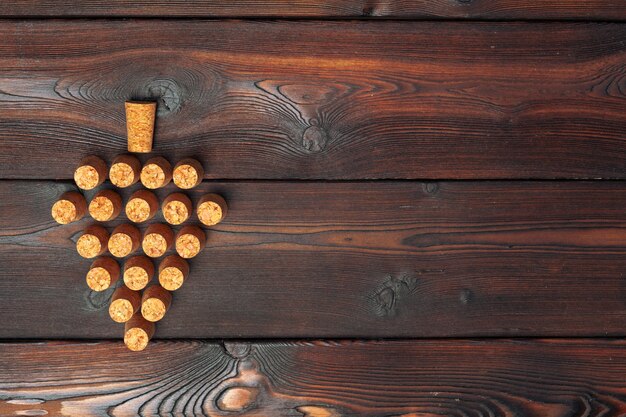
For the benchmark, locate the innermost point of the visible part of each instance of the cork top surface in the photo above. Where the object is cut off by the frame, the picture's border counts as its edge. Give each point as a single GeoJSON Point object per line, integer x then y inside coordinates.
{"type": "Point", "coordinates": [153, 309]}
{"type": "Point", "coordinates": [88, 245]}
{"type": "Point", "coordinates": [120, 244]}
{"type": "Point", "coordinates": [154, 245]}
{"type": "Point", "coordinates": [187, 245]}
{"type": "Point", "coordinates": [152, 176]}
{"type": "Point", "coordinates": [121, 174]}
{"type": "Point", "coordinates": [98, 279]}
{"type": "Point", "coordinates": [64, 211]}
{"type": "Point", "coordinates": [101, 208]}
{"type": "Point", "coordinates": [138, 210]}
{"type": "Point", "coordinates": [210, 213]}
{"type": "Point", "coordinates": [185, 176]}
{"type": "Point", "coordinates": [171, 278]}
{"type": "Point", "coordinates": [175, 212]}
{"type": "Point", "coordinates": [136, 339]}
{"type": "Point", "coordinates": [121, 310]}
{"type": "Point", "coordinates": [86, 177]}
{"type": "Point", "coordinates": [136, 278]}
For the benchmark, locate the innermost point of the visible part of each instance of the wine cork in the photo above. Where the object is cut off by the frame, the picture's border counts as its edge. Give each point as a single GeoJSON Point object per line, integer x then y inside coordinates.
{"type": "Point", "coordinates": [138, 272]}
{"type": "Point", "coordinates": [105, 206]}
{"type": "Point", "coordinates": [125, 171]}
{"type": "Point", "coordinates": [92, 242]}
{"type": "Point", "coordinates": [124, 240]}
{"type": "Point", "coordinates": [173, 271]}
{"type": "Point", "coordinates": [176, 208]}
{"type": "Point", "coordinates": [156, 173]}
{"type": "Point", "coordinates": [142, 206]}
{"type": "Point", "coordinates": [140, 116]}
{"type": "Point", "coordinates": [103, 273]}
{"type": "Point", "coordinates": [190, 240]}
{"type": "Point", "coordinates": [211, 209]}
{"type": "Point", "coordinates": [155, 302]}
{"type": "Point", "coordinates": [138, 332]}
{"type": "Point", "coordinates": [70, 207]}
{"type": "Point", "coordinates": [91, 172]}
{"type": "Point", "coordinates": [157, 239]}
{"type": "Point", "coordinates": [124, 303]}
{"type": "Point", "coordinates": [188, 173]}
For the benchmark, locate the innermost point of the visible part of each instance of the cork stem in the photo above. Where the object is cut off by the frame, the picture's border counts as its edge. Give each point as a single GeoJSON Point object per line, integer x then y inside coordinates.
{"type": "Point", "coordinates": [140, 117]}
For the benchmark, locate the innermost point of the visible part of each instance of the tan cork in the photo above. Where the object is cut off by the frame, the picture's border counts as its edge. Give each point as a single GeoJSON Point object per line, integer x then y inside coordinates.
{"type": "Point", "coordinates": [125, 171]}
{"type": "Point", "coordinates": [211, 209]}
{"type": "Point", "coordinates": [124, 240]}
{"type": "Point", "coordinates": [155, 302]}
{"type": "Point", "coordinates": [103, 273]}
{"type": "Point", "coordinates": [157, 239]}
{"type": "Point", "coordinates": [138, 332]}
{"type": "Point", "coordinates": [91, 172]}
{"type": "Point", "coordinates": [124, 303]}
{"type": "Point", "coordinates": [140, 116]}
{"type": "Point", "coordinates": [105, 206]}
{"type": "Point", "coordinates": [190, 240]}
{"type": "Point", "coordinates": [138, 272]}
{"type": "Point", "coordinates": [156, 173]}
{"type": "Point", "coordinates": [92, 242]}
{"type": "Point", "coordinates": [188, 173]}
{"type": "Point", "coordinates": [142, 206]}
{"type": "Point", "coordinates": [70, 207]}
{"type": "Point", "coordinates": [177, 208]}
{"type": "Point", "coordinates": [173, 272]}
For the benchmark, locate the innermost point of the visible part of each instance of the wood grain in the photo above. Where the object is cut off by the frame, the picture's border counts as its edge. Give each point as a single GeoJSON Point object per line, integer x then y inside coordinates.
{"type": "Point", "coordinates": [320, 100]}
{"type": "Point", "coordinates": [336, 259]}
{"type": "Point", "coordinates": [508, 378]}
{"type": "Point", "coordinates": [459, 9]}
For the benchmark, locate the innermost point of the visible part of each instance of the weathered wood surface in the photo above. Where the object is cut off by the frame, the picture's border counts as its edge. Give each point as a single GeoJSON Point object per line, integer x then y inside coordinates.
{"type": "Point", "coordinates": [320, 100]}
{"type": "Point", "coordinates": [457, 9]}
{"type": "Point", "coordinates": [508, 378]}
{"type": "Point", "coordinates": [335, 259]}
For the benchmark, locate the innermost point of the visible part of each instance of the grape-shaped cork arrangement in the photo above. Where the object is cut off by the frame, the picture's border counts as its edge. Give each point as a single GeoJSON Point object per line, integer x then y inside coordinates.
{"type": "Point", "coordinates": [138, 302]}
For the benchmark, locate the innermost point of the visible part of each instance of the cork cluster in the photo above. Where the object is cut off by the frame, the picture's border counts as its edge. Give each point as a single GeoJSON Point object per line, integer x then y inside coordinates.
{"type": "Point", "coordinates": [144, 260]}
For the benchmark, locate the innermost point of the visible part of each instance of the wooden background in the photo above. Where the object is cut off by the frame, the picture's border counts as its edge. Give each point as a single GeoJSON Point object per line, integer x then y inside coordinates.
{"type": "Point", "coordinates": [427, 206]}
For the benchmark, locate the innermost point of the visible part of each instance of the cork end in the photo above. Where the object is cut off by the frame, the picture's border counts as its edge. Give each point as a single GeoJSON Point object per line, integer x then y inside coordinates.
{"type": "Point", "coordinates": [187, 174]}
{"type": "Point", "coordinates": [210, 213]}
{"type": "Point", "coordinates": [153, 309]}
{"type": "Point", "coordinates": [175, 212]}
{"type": "Point", "coordinates": [188, 246]}
{"type": "Point", "coordinates": [171, 278]}
{"type": "Point", "coordinates": [136, 339]}
{"type": "Point", "coordinates": [98, 279]}
{"type": "Point", "coordinates": [120, 245]}
{"type": "Point", "coordinates": [154, 245]}
{"type": "Point", "coordinates": [122, 175]}
{"type": "Point", "coordinates": [87, 177]}
{"type": "Point", "coordinates": [64, 212]}
{"type": "Point", "coordinates": [138, 210]}
{"type": "Point", "coordinates": [136, 278]}
{"type": "Point", "coordinates": [153, 176]}
{"type": "Point", "coordinates": [121, 310]}
{"type": "Point", "coordinates": [88, 246]}
{"type": "Point", "coordinates": [101, 209]}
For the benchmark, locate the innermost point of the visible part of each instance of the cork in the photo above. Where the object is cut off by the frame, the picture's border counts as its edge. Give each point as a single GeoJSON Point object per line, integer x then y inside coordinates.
{"type": "Point", "coordinates": [124, 240]}
{"type": "Point", "coordinates": [141, 206]}
{"type": "Point", "coordinates": [188, 173]}
{"type": "Point", "coordinates": [70, 207]}
{"type": "Point", "coordinates": [91, 172]}
{"type": "Point", "coordinates": [138, 272]}
{"type": "Point", "coordinates": [103, 273]}
{"type": "Point", "coordinates": [173, 271]}
{"type": "Point", "coordinates": [124, 303]}
{"type": "Point", "coordinates": [155, 302]}
{"type": "Point", "coordinates": [211, 209]}
{"type": "Point", "coordinates": [105, 206]}
{"type": "Point", "coordinates": [92, 242]}
{"type": "Point", "coordinates": [125, 171]}
{"type": "Point", "coordinates": [156, 173]}
{"type": "Point", "coordinates": [140, 116]}
{"type": "Point", "coordinates": [177, 208]}
{"type": "Point", "coordinates": [138, 332]}
{"type": "Point", "coordinates": [190, 240]}
{"type": "Point", "coordinates": [157, 239]}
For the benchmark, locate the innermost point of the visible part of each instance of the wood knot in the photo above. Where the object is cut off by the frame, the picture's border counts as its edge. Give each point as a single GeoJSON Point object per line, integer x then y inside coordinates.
{"type": "Point", "coordinates": [387, 299]}
{"type": "Point", "coordinates": [98, 300]}
{"type": "Point", "coordinates": [166, 92]}
{"type": "Point", "coordinates": [314, 139]}
{"type": "Point", "coordinates": [237, 398]}
{"type": "Point", "coordinates": [431, 187]}
{"type": "Point", "coordinates": [465, 297]}
{"type": "Point", "coordinates": [237, 350]}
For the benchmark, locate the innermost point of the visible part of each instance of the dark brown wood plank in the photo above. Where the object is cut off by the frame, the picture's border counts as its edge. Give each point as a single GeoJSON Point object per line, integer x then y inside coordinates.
{"type": "Point", "coordinates": [459, 9]}
{"type": "Point", "coordinates": [508, 378]}
{"type": "Point", "coordinates": [329, 100]}
{"type": "Point", "coordinates": [381, 259]}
